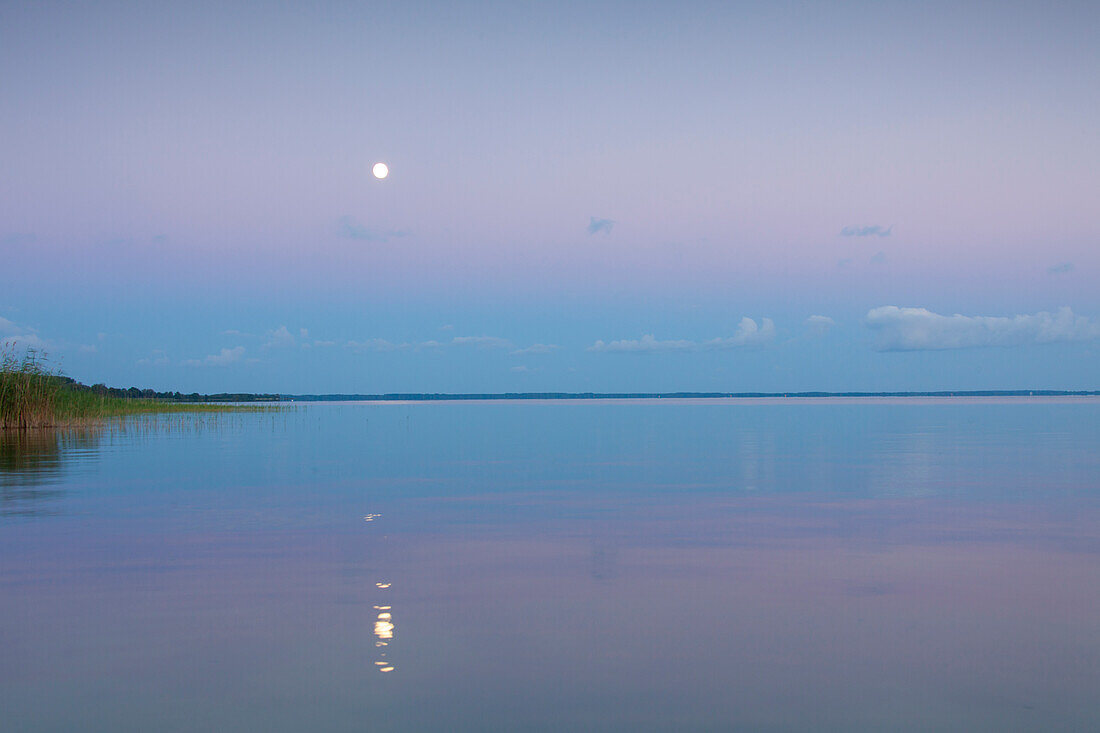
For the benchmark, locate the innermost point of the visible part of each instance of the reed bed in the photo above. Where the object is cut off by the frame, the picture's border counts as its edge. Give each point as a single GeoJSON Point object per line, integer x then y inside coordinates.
{"type": "Point", "coordinates": [32, 395]}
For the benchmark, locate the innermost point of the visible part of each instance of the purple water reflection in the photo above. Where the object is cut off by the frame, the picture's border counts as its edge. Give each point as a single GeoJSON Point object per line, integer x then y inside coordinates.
{"type": "Point", "coordinates": [607, 567]}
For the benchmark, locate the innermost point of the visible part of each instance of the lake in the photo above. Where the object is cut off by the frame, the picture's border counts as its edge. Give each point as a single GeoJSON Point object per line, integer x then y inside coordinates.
{"type": "Point", "coordinates": [772, 565]}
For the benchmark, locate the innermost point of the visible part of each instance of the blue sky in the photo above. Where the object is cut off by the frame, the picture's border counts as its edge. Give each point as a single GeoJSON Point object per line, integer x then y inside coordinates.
{"type": "Point", "coordinates": [606, 196]}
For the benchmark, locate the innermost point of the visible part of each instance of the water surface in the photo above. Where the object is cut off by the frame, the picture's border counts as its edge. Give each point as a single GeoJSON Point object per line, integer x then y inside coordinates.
{"type": "Point", "coordinates": [637, 565]}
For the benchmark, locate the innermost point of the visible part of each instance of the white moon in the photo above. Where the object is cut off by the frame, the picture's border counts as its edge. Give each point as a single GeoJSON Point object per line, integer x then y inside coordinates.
{"type": "Point", "coordinates": [380, 170]}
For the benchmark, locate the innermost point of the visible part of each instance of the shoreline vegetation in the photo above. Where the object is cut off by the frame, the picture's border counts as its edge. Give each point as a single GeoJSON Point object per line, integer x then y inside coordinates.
{"type": "Point", "coordinates": [32, 395]}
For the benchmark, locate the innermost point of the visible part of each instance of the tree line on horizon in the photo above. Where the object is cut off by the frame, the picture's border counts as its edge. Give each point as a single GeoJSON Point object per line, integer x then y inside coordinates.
{"type": "Point", "coordinates": [135, 393]}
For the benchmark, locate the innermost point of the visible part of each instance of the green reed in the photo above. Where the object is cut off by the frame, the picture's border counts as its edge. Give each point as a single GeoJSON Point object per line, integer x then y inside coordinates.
{"type": "Point", "coordinates": [32, 395]}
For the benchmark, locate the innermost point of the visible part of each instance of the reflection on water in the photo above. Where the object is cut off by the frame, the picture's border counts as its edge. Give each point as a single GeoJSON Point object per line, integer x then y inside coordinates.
{"type": "Point", "coordinates": [835, 566]}
{"type": "Point", "coordinates": [33, 464]}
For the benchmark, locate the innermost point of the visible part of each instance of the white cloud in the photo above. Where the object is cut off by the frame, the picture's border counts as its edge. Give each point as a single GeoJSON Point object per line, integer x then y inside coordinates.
{"type": "Point", "coordinates": [12, 335]}
{"type": "Point", "coordinates": [648, 342]}
{"type": "Point", "coordinates": [224, 358]}
{"type": "Point", "coordinates": [819, 325]}
{"type": "Point", "coordinates": [376, 345]}
{"type": "Point", "coordinates": [489, 342]}
{"type": "Point", "coordinates": [747, 334]}
{"type": "Point", "coordinates": [536, 349]}
{"type": "Point", "coordinates": [916, 329]}
{"type": "Point", "coordinates": [280, 337]}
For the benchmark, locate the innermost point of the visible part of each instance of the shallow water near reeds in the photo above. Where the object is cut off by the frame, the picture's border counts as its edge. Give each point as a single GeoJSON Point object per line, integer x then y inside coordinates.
{"type": "Point", "coordinates": [644, 565]}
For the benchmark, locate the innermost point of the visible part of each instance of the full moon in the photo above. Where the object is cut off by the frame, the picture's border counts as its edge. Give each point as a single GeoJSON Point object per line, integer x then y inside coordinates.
{"type": "Point", "coordinates": [380, 170]}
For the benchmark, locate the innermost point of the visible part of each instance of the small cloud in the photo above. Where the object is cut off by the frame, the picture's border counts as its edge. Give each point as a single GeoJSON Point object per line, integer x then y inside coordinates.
{"type": "Point", "coordinates": [448, 327]}
{"type": "Point", "coordinates": [878, 258]}
{"type": "Point", "coordinates": [224, 358]}
{"type": "Point", "coordinates": [748, 333]}
{"type": "Point", "coordinates": [158, 358]}
{"type": "Point", "coordinates": [13, 335]}
{"type": "Point", "coordinates": [232, 332]}
{"type": "Point", "coordinates": [819, 325]}
{"type": "Point", "coordinates": [280, 337]}
{"type": "Point", "coordinates": [88, 348]}
{"type": "Point", "coordinates": [919, 329]}
{"type": "Point", "coordinates": [303, 332]}
{"type": "Point", "coordinates": [381, 345]}
{"type": "Point", "coordinates": [597, 226]}
{"type": "Point", "coordinates": [536, 349]}
{"type": "Point", "coordinates": [844, 262]}
{"type": "Point", "coordinates": [354, 230]}
{"type": "Point", "coordinates": [648, 342]}
{"type": "Point", "coordinates": [868, 231]}
{"type": "Point", "coordinates": [487, 342]}
{"type": "Point", "coordinates": [1061, 268]}
{"type": "Point", "coordinates": [521, 368]}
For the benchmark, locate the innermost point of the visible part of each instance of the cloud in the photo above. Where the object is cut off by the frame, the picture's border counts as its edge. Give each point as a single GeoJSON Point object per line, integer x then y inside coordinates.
{"type": "Point", "coordinates": [521, 368]}
{"type": "Point", "coordinates": [280, 337]}
{"type": "Point", "coordinates": [646, 343]}
{"type": "Point", "coordinates": [352, 229]}
{"type": "Point", "coordinates": [159, 358]}
{"type": "Point", "coordinates": [844, 262]}
{"type": "Point", "coordinates": [596, 226]}
{"type": "Point", "coordinates": [488, 342]}
{"type": "Point", "coordinates": [224, 358]}
{"type": "Point", "coordinates": [384, 346]}
{"type": "Point", "coordinates": [376, 345]}
{"type": "Point", "coordinates": [536, 349]}
{"type": "Point", "coordinates": [1061, 268]}
{"type": "Point", "coordinates": [819, 325]}
{"type": "Point", "coordinates": [12, 335]}
{"type": "Point", "coordinates": [747, 334]}
{"type": "Point", "coordinates": [869, 231]}
{"type": "Point", "coordinates": [303, 332]}
{"type": "Point", "coordinates": [918, 329]}
{"type": "Point", "coordinates": [878, 258]}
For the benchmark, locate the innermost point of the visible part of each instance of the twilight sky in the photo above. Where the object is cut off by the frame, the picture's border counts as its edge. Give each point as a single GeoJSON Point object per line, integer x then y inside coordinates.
{"type": "Point", "coordinates": [590, 196]}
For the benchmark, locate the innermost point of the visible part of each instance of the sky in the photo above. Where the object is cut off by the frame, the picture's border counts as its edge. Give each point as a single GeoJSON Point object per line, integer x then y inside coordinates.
{"type": "Point", "coordinates": [582, 196]}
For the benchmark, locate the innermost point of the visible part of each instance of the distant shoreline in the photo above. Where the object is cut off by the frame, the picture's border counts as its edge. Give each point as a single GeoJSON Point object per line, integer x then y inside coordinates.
{"type": "Point", "coordinates": [457, 397]}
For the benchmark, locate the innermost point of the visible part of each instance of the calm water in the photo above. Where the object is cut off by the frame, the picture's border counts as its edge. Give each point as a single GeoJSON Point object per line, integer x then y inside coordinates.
{"type": "Point", "coordinates": [859, 565]}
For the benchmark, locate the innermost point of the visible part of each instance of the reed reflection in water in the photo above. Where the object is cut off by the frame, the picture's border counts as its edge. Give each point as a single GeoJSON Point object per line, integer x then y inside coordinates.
{"type": "Point", "coordinates": [34, 463]}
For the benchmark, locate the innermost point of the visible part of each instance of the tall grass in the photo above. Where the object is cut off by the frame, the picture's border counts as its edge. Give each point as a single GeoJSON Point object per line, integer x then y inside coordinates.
{"type": "Point", "coordinates": [32, 395]}
{"type": "Point", "coordinates": [28, 390]}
